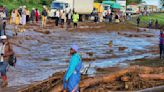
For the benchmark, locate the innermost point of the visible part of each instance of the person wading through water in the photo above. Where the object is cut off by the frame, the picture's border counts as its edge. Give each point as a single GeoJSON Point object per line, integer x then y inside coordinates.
{"type": "Point", "coordinates": [72, 76]}
{"type": "Point", "coordinates": [6, 53]}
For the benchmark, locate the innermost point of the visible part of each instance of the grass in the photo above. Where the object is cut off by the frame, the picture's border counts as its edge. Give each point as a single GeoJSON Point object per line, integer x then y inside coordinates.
{"type": "Point", "coordinates": [158, 16]}
{"type": "Point", "coordinates": [144, 20]}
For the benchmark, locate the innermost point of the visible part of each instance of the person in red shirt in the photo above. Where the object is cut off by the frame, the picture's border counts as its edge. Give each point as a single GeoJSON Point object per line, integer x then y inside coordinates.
{"type": "Point", "coordinates": [37, 15]}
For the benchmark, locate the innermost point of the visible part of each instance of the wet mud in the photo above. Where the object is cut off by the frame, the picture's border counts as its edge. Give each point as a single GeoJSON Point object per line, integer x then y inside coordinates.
{"type": "Point", "coordinates": [43, 51]}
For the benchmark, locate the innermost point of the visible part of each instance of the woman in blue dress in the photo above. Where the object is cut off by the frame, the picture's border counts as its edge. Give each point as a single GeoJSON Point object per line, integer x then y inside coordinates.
{"type": "Point", "coordinates": [72, 76]}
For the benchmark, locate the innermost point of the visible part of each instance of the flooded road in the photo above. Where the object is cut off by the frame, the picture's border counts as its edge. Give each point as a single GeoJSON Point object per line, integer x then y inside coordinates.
{"type": "Point", "coordinates": [41, 55]}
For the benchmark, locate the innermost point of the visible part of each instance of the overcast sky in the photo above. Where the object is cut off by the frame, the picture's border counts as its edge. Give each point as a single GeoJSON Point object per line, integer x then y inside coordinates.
{"type": "Point", "coordinates": [153, 2]}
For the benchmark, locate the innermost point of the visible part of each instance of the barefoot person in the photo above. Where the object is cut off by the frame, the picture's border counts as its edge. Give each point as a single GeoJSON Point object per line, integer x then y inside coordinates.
{"type": "Point", "coordinates": [72, 76]}
{"type": "Point", "coordinates": [6, 51]}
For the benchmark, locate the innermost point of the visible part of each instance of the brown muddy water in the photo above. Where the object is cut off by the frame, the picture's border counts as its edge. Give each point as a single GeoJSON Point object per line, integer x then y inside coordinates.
{"type": "Point", "coordinates": [40, 55]}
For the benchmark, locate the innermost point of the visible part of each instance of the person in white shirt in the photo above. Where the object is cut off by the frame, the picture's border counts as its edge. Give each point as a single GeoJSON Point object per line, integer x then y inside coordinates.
{"type": "Point", "coordinates": [57, 17]}
{"type": "Point", "coordinates": [6, 51]}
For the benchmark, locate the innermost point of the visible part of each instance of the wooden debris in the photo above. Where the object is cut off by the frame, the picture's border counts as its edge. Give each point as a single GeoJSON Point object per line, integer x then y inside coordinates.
{"type": "Point", "coordinates": [129, 76]}
{"type": "Point", "coordinates": [152, 76]}
{"type": "Point", "coordinates": [125, 78]}
{"type": "Point", "coordinates": [88, 59]}
{"type": "Point", "coordinates": [43, 86]}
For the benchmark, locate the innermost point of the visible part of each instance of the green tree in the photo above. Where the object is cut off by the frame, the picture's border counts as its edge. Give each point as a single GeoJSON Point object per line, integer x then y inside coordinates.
{"type": "Point", "coordinates": [162, 3]}
{"type": "Point", "coordinates": [99, 1]}
{"type": "Point", "coordinates": [133, 1]}
{"type": "Point", "coordinates": [128, 1]}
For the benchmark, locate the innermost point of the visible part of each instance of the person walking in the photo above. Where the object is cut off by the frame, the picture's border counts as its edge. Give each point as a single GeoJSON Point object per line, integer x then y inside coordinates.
{"type": "Point", "coordinates": [33, 15]}
{"type": "Point", "coordinates": [95, 15]}
{"type": "Point", "coordinates": [63, 17]}
{"type": "Point", "coordinates": [13, 16]}
{"type": "Point", "coordinates": [138, 21]}
{"type": "Point", "coordinates": [72, 75]}
{"type": "Point", "coordinates": [3, 22]}
{"type": "Point", "coordinates": [17, 17]}
{"type": "Point", "coordinates": [161, 45]}
{"type": "Point", "coordinates": [6, 12]}
{"type": "Point", "coordinates": [69, 19]}
{"type": "Point", "coordinates": [23, 21]}
{"type": "Point", "coordinates": [75, 19]}
{"type": "Point", "coordinates": [27, 15]}
{"type": "Point", "coordinates": [156, 24]}
{"type": "Point", "coordinates": [14, 19]}
{"type": "Point", "coordinates": [16, 22]}
{"type": "Point", "coordinates": [107, 16]}
{"type": "Point", "coordinates": [117, 18]}
{"type": "Point", "coordinates": [1, 26]}
{"type": "Point", "coordinates": [20, 11]}
{"type": "Point", "coordinates": [6, 51]}
{"type": "Point", "coordinates": [57, 17]}
{"type": "Point", "coordinates": [150, 23]}
{"type": "Point", "coordinates": [44, 16]}
{"type": "Point", "coordinates": [110, 17]}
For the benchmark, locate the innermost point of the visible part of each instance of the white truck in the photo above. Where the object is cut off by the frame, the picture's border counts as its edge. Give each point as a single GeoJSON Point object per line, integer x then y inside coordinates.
{"type": "Point", "coordinates": [82, 7]}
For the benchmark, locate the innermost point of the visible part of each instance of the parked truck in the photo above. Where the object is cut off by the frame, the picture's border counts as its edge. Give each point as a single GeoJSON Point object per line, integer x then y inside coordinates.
{"type": "Point", "coordinates": [82, 7]}
{"type": "Point", "coordinates": [132, 9]}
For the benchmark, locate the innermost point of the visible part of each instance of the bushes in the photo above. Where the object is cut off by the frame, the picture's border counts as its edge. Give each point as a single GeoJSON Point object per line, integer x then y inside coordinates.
{"type": "Point", "coordinates": [10, 4]}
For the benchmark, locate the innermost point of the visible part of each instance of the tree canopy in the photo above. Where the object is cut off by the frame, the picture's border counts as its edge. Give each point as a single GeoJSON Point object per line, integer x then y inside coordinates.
{"type": "Point", "coordinates": [128, 1]}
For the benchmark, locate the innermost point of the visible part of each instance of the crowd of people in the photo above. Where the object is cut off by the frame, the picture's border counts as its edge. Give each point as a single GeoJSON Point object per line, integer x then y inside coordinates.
{"type": "Point", "coordinates": [68, 17]}
{"type": "Point", "coordinates": [108, 16]}
{"type": "Point", "coordinates": [23, 15]}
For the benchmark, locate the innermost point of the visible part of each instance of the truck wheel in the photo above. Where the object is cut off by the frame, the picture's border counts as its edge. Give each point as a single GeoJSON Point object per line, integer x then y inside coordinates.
{"type": "Point", "coordinates": [81, 18]}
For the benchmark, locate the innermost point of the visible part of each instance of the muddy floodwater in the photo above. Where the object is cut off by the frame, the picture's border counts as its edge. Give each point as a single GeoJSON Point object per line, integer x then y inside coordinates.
{"type": "Point", "coordinates": [40, 55]}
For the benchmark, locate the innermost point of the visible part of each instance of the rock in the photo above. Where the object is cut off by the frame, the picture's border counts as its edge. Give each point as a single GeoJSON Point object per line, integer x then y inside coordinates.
{"type": "Point", "coordinates": [47, 32]}
{"type": "Point", "coordinates": [122, 48]}
{"type": "Point", "coordinates": [90, 54]}
{"type": "Point", "coordinates": [88, 59]}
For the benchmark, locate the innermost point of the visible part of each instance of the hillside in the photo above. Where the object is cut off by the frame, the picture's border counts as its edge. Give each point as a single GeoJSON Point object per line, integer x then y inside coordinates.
{"type": "Point", "coordinates": [11, 4]}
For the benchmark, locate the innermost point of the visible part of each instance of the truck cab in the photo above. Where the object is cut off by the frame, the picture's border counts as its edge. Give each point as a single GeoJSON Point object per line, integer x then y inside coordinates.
{"type": "Point", "coordinates": [57, 5]}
